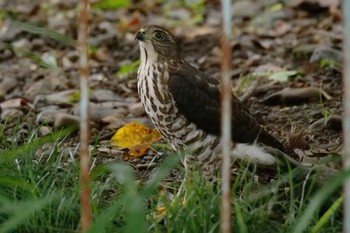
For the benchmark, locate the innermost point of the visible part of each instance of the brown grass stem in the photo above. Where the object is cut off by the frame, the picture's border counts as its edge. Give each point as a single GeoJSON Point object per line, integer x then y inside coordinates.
{"type": "Point", "coordinates": [84, 119]}
{"type": "Point", "coordinates": [346, 123]}
{"type": "Point", "coordinates": [225, 224]}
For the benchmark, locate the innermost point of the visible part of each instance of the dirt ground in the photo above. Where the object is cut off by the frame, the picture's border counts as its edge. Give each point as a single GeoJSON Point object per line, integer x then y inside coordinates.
{"type": "Point", "coordinates": [286, 56]}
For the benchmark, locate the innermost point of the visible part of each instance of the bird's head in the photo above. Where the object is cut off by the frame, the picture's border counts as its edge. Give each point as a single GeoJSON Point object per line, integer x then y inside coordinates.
{"type": "Point", "coordinates": [157, 43]}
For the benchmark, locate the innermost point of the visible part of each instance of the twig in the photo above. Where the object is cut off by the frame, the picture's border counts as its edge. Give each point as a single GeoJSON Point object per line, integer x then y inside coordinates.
{"type": "Point", "coordinates": [346, 81]}
{"type": "Point", "coordinates": [225, 225]}
{"type": "Point", "coordinates": [85, 119]}
{"type": "Point", "coordinates": [250, 92]}
{"type": "Point", "coordinates": [327, 34]}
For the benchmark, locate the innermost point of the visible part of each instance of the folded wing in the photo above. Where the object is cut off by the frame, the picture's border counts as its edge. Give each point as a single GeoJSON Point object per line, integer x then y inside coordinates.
{"type": "Point", "coordinates": [197, 97]}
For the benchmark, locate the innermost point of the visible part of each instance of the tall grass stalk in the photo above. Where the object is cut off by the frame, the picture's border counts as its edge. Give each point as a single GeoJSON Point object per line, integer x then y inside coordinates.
{"type": "Point", "coordinates": [316, 202]}
{"type": "Point", "coordinates": [226, 119]}
{"type": "Point", "coordinates": [84, 119]}
{"type": "Point", "coordinates": [346, 99]}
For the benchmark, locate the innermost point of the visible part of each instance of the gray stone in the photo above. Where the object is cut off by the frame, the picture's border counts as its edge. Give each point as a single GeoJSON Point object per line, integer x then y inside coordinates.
{"type": "Point", "coordinates": [63, 119]}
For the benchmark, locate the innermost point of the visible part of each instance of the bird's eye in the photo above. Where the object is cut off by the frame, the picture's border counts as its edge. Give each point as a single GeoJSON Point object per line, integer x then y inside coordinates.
{"type": "Point", "coordinates": [159, 35]}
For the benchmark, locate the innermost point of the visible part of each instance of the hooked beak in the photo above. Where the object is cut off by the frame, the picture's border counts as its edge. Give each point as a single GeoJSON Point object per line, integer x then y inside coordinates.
{"type": "Point", "coordinates": [140, 35]}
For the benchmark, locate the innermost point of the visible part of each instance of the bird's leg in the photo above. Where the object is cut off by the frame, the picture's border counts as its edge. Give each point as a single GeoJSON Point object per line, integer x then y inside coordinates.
{"type": "Point", "coordinates": [179, 197]}
{"type": "Point", "coordinates": [182, 192]}
{"type": "Point", "coordinates": [195, 168]}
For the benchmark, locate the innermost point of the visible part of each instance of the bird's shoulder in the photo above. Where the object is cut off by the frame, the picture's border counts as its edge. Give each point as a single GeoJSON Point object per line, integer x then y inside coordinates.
{"type": "Point", "coordinates": [198, 83]}
{"type": "Point", "coordinates": [186, 73]}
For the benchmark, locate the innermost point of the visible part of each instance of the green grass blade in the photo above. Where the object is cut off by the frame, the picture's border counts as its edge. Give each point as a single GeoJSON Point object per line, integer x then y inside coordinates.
{"type": "Point", "coordinates": [14, 181]}
{"type": "Point", "coordinates": [159, 174]}
{"type": "Point", "coordinates": [26, 148]}
{"type": "Point", "coordinates": [135, 214]}
{"type": "Point", "coordinates": [124, 174]}
{"type": "Point", "coordinates": [326, 216]}
{"type": "Point", "coordinates": [18, 212]}
{"type": "Point", "coordinates": [318, 199]}
{"type": "Point", "coordinates": [111, 4]}
{"type": "Point", "coordinates": [240, 218]}
{"type": "Point", "coordinates": [44, 32]}
{"type": "Point", "coordinates": [101, 222]}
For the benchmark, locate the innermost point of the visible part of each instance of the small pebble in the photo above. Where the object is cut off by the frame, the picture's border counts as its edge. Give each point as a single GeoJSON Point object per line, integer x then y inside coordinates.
{"type": "Point", "coordinates": [44, 130]}
{"type": "Point", "coordinates": [63, 119]}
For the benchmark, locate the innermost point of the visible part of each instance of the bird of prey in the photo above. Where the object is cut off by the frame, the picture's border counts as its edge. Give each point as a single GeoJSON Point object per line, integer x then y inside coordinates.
{"type": "Point", "coordinates": [184, 105]}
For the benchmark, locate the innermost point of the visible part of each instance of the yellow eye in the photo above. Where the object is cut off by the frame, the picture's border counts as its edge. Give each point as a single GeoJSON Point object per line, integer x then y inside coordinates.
{"type": "Point", "coordinates": [159, 36]}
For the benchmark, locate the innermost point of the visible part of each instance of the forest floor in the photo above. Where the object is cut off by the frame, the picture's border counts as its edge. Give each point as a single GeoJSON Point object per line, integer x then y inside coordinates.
{"type": "Point", "coordinates": [287, 57]}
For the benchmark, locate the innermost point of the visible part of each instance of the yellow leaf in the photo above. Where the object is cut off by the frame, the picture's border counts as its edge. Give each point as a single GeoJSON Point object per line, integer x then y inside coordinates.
{"type": "Point", "coordinates": [136, 137]}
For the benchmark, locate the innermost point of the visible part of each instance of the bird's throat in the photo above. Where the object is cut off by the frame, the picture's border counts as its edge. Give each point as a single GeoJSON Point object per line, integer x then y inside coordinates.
{"type": "Point", "coordinates": [148, 54]}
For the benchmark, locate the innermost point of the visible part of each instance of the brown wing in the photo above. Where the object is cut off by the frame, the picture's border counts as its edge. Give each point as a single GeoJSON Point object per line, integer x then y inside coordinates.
{"type": "Point", "coordinates": [197, 96]}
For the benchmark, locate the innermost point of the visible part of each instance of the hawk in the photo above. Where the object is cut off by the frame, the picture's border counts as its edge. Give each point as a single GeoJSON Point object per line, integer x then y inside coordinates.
{"type": "Point", "coordinates": [184, 105]}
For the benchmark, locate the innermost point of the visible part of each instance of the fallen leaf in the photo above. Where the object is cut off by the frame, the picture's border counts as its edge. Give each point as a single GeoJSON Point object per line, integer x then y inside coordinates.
{"type": "Point", "coordinates": [267, 69]}
{"type": "Point", "coordinates": [283, 76]}
{"type": "Point", "coordinates": [15, 103]}
{"type": "Point", "coordinates": [128, 68]}
{"type": "Point", "coordinates": [136, 137]}
{"type": "Point", "coordinates": [329, 3]}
